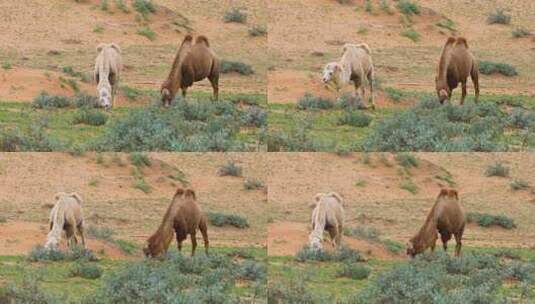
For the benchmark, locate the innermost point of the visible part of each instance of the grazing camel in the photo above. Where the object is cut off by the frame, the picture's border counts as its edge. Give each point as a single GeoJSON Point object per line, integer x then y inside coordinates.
{"type": "Point", "coordinates": [447, 218]}
{"type": "Point", "coordinates": [455, 65]}
{"type": "Point", "coordinates": [192, 63]}
{"type": "Point", "coordinates": [356, 65]}
{"type": "Point", "coordinates": [183, 216]}
{"type": "Point", "coordinates": [328, 215]}
{"type": "Point", "coordinates": [66, 215]}
{"type": "Point", "coordinates": [108, 66]}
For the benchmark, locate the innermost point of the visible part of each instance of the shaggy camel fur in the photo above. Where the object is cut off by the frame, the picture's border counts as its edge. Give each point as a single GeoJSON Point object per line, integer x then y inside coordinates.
{"type": "Point", "coordinates": [108, 66]}
{"type": "Point", "coordinates": [66, 215]}
{"type": "Point", "coordinates": [192, 63]}
{"type": "Point", "coordinates": [447, 218]}
{"type": "Point", "coordinates": [355, 65]}
{"type": "Point", "coordinates": [183, 216]}
{"type": "Point", "coordinates": [455, 65]}
{"type": "Point", "coordinates": [328, 215]}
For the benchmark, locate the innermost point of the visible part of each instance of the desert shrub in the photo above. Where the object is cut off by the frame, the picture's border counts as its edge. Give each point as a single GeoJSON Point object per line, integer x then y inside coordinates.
{"type": "Point", "coordinates": [411, 33]}
{"type": "Point", "coordinates": [255, 116]}
{"type": "Point", "coordinates": [408, 7]}
{"type": "Point", "coordinates": [293, 291]}
{"type": "Point", "coordinates": [296, 139]}
{"type": "Point", "coordinates": [393, 246]}
{"type": "Point", "coordinates": [355, 119]}
{"type": "Point", "coordinates": [342, 254]}
{"type": "Point", "coordinates": [395, 94]}
{"type": "Point", "coordinates": [69, 70]}
{"type": "Point", "coordinates": [121, 5]}
{"type": "Point", "coordinates": [252, 271]}
{"type": "Point", "coordinates": [385, 7]}
{"type": "Point", "coordinates": [519, 184]}
{"type": "Point", "coordinates": [406, 160]}
{"type": "Point", "coordinates": [236, 66]}
{"type": "Point", "coordinates": [140, 159]}
{"type": "Point", "coordinates": [489, 67]}
{"type": "Point", "coordinates": [447, 24]}
{"type": "Point", "coordinates": [309, 101]}
{"type": "Point", "coordinates": [40, 253]}
{"type": "Point", "coordinates": [354, 271]}
{"type": "Point", "coordinates": [497, 169]}
{"type": "Point", "coordinates": [90, 117]}
{"type": "Point", "coordinates": [104, 5]}
{"type": "Point", "coordinates": [221, 219]}
{"type": "Point", "coordinates": [144, 7]}
{"type": "Point", "coordinates": [235, 15]}
{"type": "Point", "coordinates": [487, 220]}
{"type": "Point", "coordinates": [522, 119]}
{"type": "Point", "coordinates": [229, 169]}
{"type": "Point", "coordinates": [363, 232]}
{"type": "Point", "coordinates": [408, 185]}
{"type": "Point", "coordinates": [252, 184]}
{"type": "Point", "coordinates": [44, 100]}
{"type": "Point", "coordinates": [28, 292]}
{"type": "Point", "coordinates": [6, 66]}
{"type": "Point", "coordinates": [258, 30]}
{"type": "Point", "coordinates": [126, 246]}
{"type": "Point", "coordinates": [131, 93]}
{"type": "Point", "coordinates": [428, 126]}
{"type": "Point", "coordinates": [350, 102]}
{"type": "Point", "coordinates": [33, 138]}
{"type": "Point", "coordinates": [141, 184]}
{"type": "Point", "coordinates": [146, 32]}
{"type": "Point", "coordinates": [499, 16]}
{"type": "Point", "coordinates": [85, 270]}
{"type": "Point", "coordinates": [520, 32]}
{"type": "Point", "coordinates": [82, 100]}
{"type": "Point", "coordinates": [101, 233]}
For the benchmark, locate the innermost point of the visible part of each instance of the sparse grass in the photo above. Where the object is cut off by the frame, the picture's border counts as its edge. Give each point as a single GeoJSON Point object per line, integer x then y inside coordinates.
{"type": "Point", "coordinates": [408, 7]}
{"type": "Point", "coordinates": [519, 184]}
{"type": "Point", "coordinates": [447, 178]}
{"type": "Point", "coordinates": [408, 185]}
{"type": "Point", "coordinates": [44, 100]}
{"type": "Point", "coordinates": [362, 30]}
{"type": "Point", "coordinates": [447, 24]}
{"type": "Point", "coordinates": [131, 93]}
{"type": "Point", "coordinates": [368, 6]}
{"type": "Point", "coordinates": [85, 270]}
{"type": "Point", "coordinates": [98, 29]}
{"type": "Point", "coordinates": [237, 67]}
{"type": "Point", "coordinates": [126, 247]}
{"type": "Point", "coordinates": [363, 232]}
{"type": "Point", "coordinates": [258, 30]}
{"type": "Point", "coordinates": [497, 169]}
{"type": "Point", "coordinates": [40, 253]}
{"type": "Point", "coordinates": [229, 169]}
{"type": "Point", "coordinates": [487, 220]}
{"type": "Point", "coordinates": [361, 183]}
{"type": "Point", "coordinates": [3, 219]}
{"type": "Point", "coordinates": [104, 5]}
{"type": "Point", "coordinates": [253, 184]}
{"type": "Point", "coordinates": [489, 67]}
{"type": "Point", "coordinates": [343, 254]}
{"type": "Point", "coordinates": [394, 246]}
{"type": "Point", "coordinates": [147, 32]}
{"type": "Point", "coordinates": [93, 182]}
{"type": "Point", "coordinates": [142, 185]}
{"type": "Point", "coordinates": [356, 119]}
{"type": "Point", "coordinates": [101, 233]}
{"type": "Point", "coordinates": [411, 33]}
{"type": "Point", "coordinates": [354, 271]}
{"type": "Point", "coordinates": [235, 15]}
{"type": "Point", "coordinates": [90, 117]}
{"type": "Point", "coordinates": [144, 7]}
{"type": "Point", "coordinates": [122, 6]}
{"type": "Point", "coordinates": [309, 101]}
{"type": "Point", "coordinates": [221, 219]}
{"type": "Point", "coordinates": [520, 32]}
{"type": "Point", "coordinates": [385, 7]}
{"type": "Point", "coordinates": [406, 160]}
{"type": "Point", "coordinates": [499, 16]}
{"type": "Point", "coordinates": [7, 66]}
{"type": "Point", "coordinates": [140, 159]}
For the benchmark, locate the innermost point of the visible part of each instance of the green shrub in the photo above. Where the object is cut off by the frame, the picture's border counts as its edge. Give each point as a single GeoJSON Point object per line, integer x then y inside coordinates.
{"type": "Point", "coordinates": [295, 290]}
{"type": "Point", "coordinates": [82, 100]}
{"type": "Point", "coordinates": [6, 66]}
{"type": "Point", "coordinates": [408, 185]}
{"type": "Point", "coordinates": [488, 67]}
{"type": "Point", "coordinates": [146, 32]}
{"type": "Point", "coordinates": [343, 254]}
{"type": "Point", "coordinates": [393, 246]}
{"type": "Point", "coordinates": [354, 271]}
{"type": "Point", "coordinates": [252, 271]}
{"type": "Point", "coordinates": [408, 7]}
{"type": "Point", "coordinates": [40, 253]}
{"type": "Point", "coordinates": [363, 232]}
{"type": "Point", "coordinates": [258, 30]}
{"type": "Point", "coordinates": [141, 184]}
{"type": "Point", "coordinates": [86, 271]}
{"type": "Point", "coordinates": [140, 159]}
{"type": "Point", "coordinates": [411, 33]}
{"type": "Point", "coordinates": [499, 17]}
{"type": "Point", "coordinates": [235, 15]}
{"type": "Point", "coordinates": [236, 66]}
{"type": "Point", "coordinates": [90, 117]}
{"type": "Point", "coordinates": [522, 119]}
{"type": "Point", "coordinates": [144, 7]}
{"type": "Point", "coordinates": [385, 7]}
{"type": "Point", "coordinates": [519, 184]}
{"type": "Point", "coordinates": [368, 6]}
{"type": "Point", "coordinates": [121, 5]}
{"type": "Point", "coordinates": [395, 94]}
{"type": "Point", "coordinates": [221, 219]}
{"type": "Point", "coordinates": [131, 93]}
{"type": "Point", "coordinates": [69, 70]}
{"type": "Point", "coordinates": [406, 160]}
{"type": "Point", "coordinates": [101, 233]}
{"type": "Point", "coordinates": [296, 139]}
{"type": "Point", "coordinates": [350, 102]}
{"type": "Point", "coordinates": [44, 100]}
{"type": "Point", "coordinates": [104, 5]}
{"type": "Point", "coordinates": [229, 169]}
{"type": "Point", "coordinates": [34, 138]}
{"type": "Point", "coordinates": [253, 184]}
{"type": "Point", "coordinates": [487, 220]}
{"type": "Point", "coordinates": [255, 116]}
{"type": "Point", "coordinates": [28, 292]}
{"type": "Point", "coordinates": [447, 24]}
{"type": "Point", "coordinates": [356, 119]}
{"type": "Point", "coordinates": [497, 169]}
{"type": "Point", "coordinates": [520, 32]}
{"type": "Point", "coordinates": [309, 101]}
{"type": "Point", "coordinates": [126, 247]}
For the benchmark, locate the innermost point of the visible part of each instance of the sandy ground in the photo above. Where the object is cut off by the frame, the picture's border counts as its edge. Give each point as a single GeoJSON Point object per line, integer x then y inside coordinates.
{"type": "Point", "coordinates": [379, 202]}
{"type": "Point", "coordinates": [28, 182]}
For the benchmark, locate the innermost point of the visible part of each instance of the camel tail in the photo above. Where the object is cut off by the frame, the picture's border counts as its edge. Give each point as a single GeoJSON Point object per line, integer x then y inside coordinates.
{"type": "Point", "coordinates": [202, 39]}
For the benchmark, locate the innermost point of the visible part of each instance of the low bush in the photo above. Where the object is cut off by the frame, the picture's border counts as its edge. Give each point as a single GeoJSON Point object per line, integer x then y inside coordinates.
{"type": "Point", "coordinates": [258, 30]}
{"type": "Point", "coordinates": [141, 184]}
{"type": "Point", "coordinates": [309, 101]}
{"type": "Point", "coordinates": [82, 100]}
{"type": "Point", "coordinates": [355, 119]}
{"type": "Point", "coordinates": [40, 253]}
{"type": "Point", "coordinates": [489, 67]}
{"type": "Point", "coordinates": [140, 159]}
{"type": "Point", "coordinates": [146, 32]}
{"type": "Point", "coordinates": [237, 67]}
{"type": "Point", "coordinates": [34, 138]}
{"type": "Point", "coordinates": [520, 32]}
{"type": "Point", "coordinates": [354, 271]}
{"type": "Point", "coordinates": [229, 169]}
{"type": "Point", "coordinates": [28, 292]}
{"type": "Point", "coordinates": [522, 119]}
{"type": "Point", "coordinates": [411, 33]}
{"type": "Point", "coordinates": [363, 232]}
{"type": "Point", "coordinates": [343, 254]}
{"type": "Point", "coordinates": [253, 184]}
{"type": "Point", "coordinates": [294, 291]}
{"type": "Point", "coordinates": [252, 271]}
{"type": "Point", "coordinates": [126, 247]}
{"type": "Point", "coordinates": [408, 185]}
{"type": "Point", "coordinates": [235, 15]}
{"type": "Point", "coordinates": [393, 246]}
{"type": "Point", "coordinates": [90, 117]}
{"type": "Point", "coordinates": [101, 233]}
{"type": "Point", "coordinates": [144, 7]}
{"type": "Point", "coordinates": [519, 184]}
{"type": "Point", "coordinates": [221, 219]}
{"type": "Point", "coordinates": [487, 220]}
{"type": "Point", "coordinates": [408, 7]}
{"type": "Point", "coordinates": [297, 139]}
{"type": "Point", "coordinates": [497, 169]}
{"type": "Point", "coordinates": [499, 16]}
{"type": "Point", "coordinates": [255, 116]}
{"type": "Point", "coordinates": [85, 270]}
{"type": "Point", "coordinates": [44, 100]}
{"type": "Point", "coordinates": [406, 160]}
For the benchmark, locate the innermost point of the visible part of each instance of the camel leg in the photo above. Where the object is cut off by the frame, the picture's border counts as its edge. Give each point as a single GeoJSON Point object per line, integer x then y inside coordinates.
{"type": "Point", "coordinates": [463, 84]}
{"type": "Point", "coordinates": [333, 233]}
{"type": "Point", "coordinates": [179, 245]}
{"type": "Point", "coordinates": [193, 243]}
{"type": "Point", "coordinates": [475, 79]}
{"type": "Point", "coordinates": [370, 82]}
{"type": "Point", "coordinates": [81, 233]}
{"type": "Point", "coordinates": [184, 92]}
{"type": "Point", "coordinates": [445, 236]}
{"type": "Point", "coordinates": [69, 235]}
{"type": "Point", "coordinates": [458, 241]}
{"type": "Point", "coordinates": [339, 236]}
{"type": "Point", "coordinates": [214, 80]}
{"type": "Point", "coordinates": [433, 244]}
{"type": "Point", "coordinates": [358, 87]}
{"type": "Point", "coordinates": [204, 232]}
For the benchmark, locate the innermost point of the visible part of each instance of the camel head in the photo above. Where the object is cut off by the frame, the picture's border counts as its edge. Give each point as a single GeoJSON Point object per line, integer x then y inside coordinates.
{"type": "Point", "coordinates": [414, 247]}
{"type": "Point", "coordinates": [149, 250]}
{"type": "Point", "coordinates": [315, 243]}
{"type": "Point", "coordinates": [167, 97]}
{"type": "Point", "coordinates": [104, 97]}
{"type": "Point", "coordinates": [442, 91]}
{"type": "Point", "coordinates": [331, 72]}
{"type": "Point", "coordinates": [52, 242]}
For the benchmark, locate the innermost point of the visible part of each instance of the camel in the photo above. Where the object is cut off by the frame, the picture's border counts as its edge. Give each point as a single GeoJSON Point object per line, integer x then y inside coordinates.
{"type": "Point", "coordinates": [355, 65]}
{"type": "Point", "coordinates": [192, 63]}
{"type": "Point", "coordinates": [328, 215]}
{"type": "Point", "coordinates": [455, 65]}
{"type": "Point", "coordinates": [66, 215]}
{"type": "Point", "coordinates": [183, 216]}
{"type": "Point", "coordinates": [108, 66]}
{"type": "Point", "coordinates": [447, 218]}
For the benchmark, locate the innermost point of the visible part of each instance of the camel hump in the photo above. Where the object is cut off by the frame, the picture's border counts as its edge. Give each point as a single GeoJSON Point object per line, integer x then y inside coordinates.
{"type": "Point", "coordinates": [462, 40]}
{"type": "Point", "coordinates": [100, 47]}
{"type": "Point", "coordinates": [115, 46]}
{"type": "Point", "coordinates": [189, 194]}
{"type": "Point", "coordinates": [179, 192]}
{"type": "Point", "coordinates": [202, 39]}
{"type": "Point", "coordinates": [450, 41]}
{"type": "Point", "coordinates": [337, 196]}
{"type": "Point", "coordinates": [451, 193]}
{"type": "Point", "coordinates": [365, 47]}
{"type": "Point", "coordinates": [77, 197]}
{"type": "Point", "coordinates": [59, 195]}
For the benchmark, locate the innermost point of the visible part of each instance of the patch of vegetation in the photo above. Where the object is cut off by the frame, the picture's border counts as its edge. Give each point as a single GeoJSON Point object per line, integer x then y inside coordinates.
{"type": "Point", "coordinates": [253, 184]}
{"type": "Point", "coordinates": [393, 246]}
{"type": "Point", "coordinates": [86, 271]}
{"type": "Point", "coordinates": [497, 169]}
{"type": "Point", "coordinates": [146, 32]}
{"type": "Point", "coordinates": [141, 184]}
{"type": "Point", "coordinates": [294, 291]}
{"type": "Point", "coordinates": [121, 5]}
{"type": "Point", "coordinates": [520, 32]}
{"type": "Point", "coordinates": [356, 119]}
{"type": "Point", "coordinates": [101, 233]}
{"type": "Point", "coordinates": [406, 160]}
{"type": "Point", "coordinates": [229, 169]}
{"type": "Point", "coordinates": [342, 254]}
{"type": "Point", "coordinates": [126, 247]}
{"type": "Point", "coordinates": [354, 271]}
{"type": "Point", "coordinates": [487, 220]}
{"type": "Point", "coordinates": [447, 24]}
{"type": "Point", "coordinates": [385, 7]}
{"type": "Point", "coordinates": [90, 117]}
{"type": "Point", "coordinates": [104, 5]}
{"type": "Point", "coordinates": [82, 100]}
{"type": "Point", "coordinates": [519, 184]}
{"type": "Point", "coordinates": [255, 116]}
{"type": "Point", "coordinates": [411, 33]}
{"type": "Point", "coordinates": [364, 233]}
{"type": "Point", "coordinates": [221, 219]}
{"type": "Point", "coordinates": [6, 66]}
{"type": "Point", "coordinates": [309, 101]}
{"type": "Point", "coordinates": [3, 219]}
{"type": "Point", "coordinates": [40, 253]}
{"type": "Point", "coordinates": [296, 139]}
{"type": "Point", "coordinates": [235, 15]}
{"type": "Point", "coordinates": [361, 183]}
{"type": "Point", "coordinates": [447, 178]}
{"type": "Point", "coordinates": [34, 138]}
{"type": "Point", "coordinates": [140, 159]}
{"type": "Point", "coordinates": [44, 100]}
{"type": "Point", "coordinates": [408, 185]}
{"type": "Point", "coordinates": [499, 16]}
{"type": "Point", "coordinates": [368, 6]}
{"type": "Point", "coordinates": [236, 66]}
{"type": "Point", "coordinates": [258, 30]}
{"type": "Point", "coordinates": [408, 7]}
{"type": "Point", "coordinates": [144, 7]}
{"type": "Point", "coordinates": [131, 93]}
{"type": "Point", "coordinates": [98, 29]}
{"type": "Point", "coordinates": [29, 292]}
{"type": "Point", "coordinates": [489, 67]}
